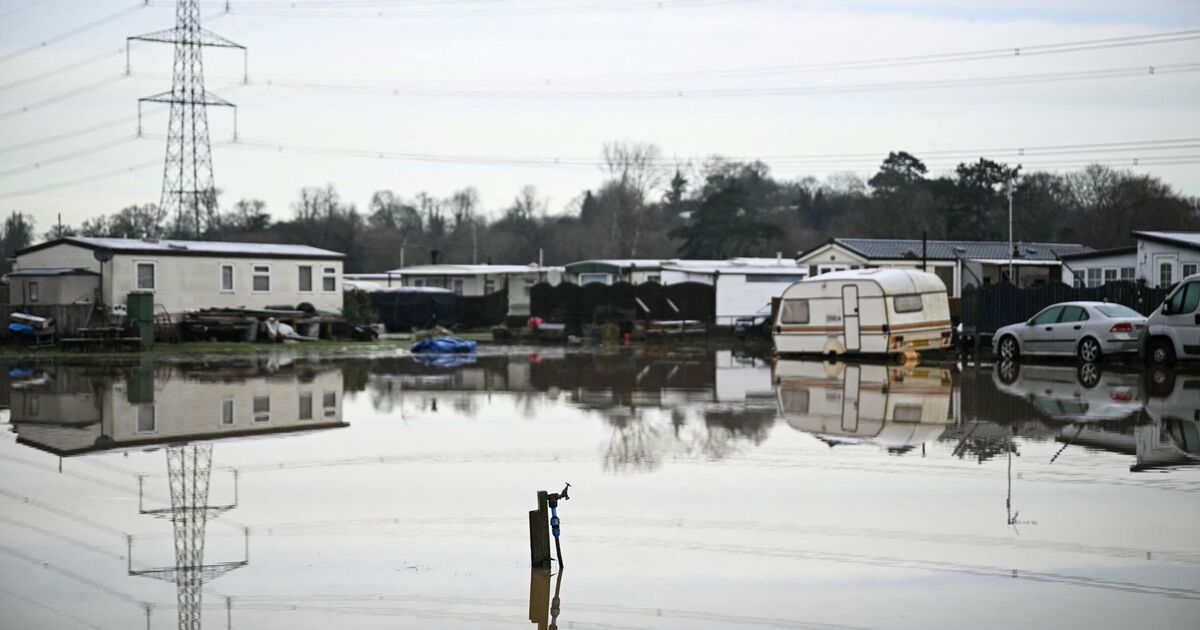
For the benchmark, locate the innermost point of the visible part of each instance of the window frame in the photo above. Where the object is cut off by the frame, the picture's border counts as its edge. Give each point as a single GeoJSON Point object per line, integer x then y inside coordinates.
{"type": "Point", "coordinates": [329, 273]}
{"type": "Point", "coordinates": [137, 419]}
{"type": "Point", "coordinates": [1184, 273]}
{"type": "Point", "coordinates": [228, 403]}
{"type": "Point", "coordinates": [489, 286]}
{"type": "Point", "coordinates": [1116, 274]}
{"type": "Point", "coordinates": [300, 278]}
{"type": "Point", "coordinates": [1057, 316]}
{"type": "Point", "coordinates": [300, 404]}
{"type": "Point", "coordinates": [1166, 266]}
{"type": "Point", "coordinates": [1132, 273]}
{"type": "Point", "coordinates": [458, 286]}
{"type": "Point", "coordinates": [263, 415]}
{"type": "Point", "coordinates": [784, 310]}
{"type": "Point", "coordinates": [34, 292]}
{"type": "Point", "coordinates": [137, 280]}
{"type": "Point", "coordinates": [221, 267]}
{"type": "Point", "coordinates": [896, 303]}
{"type": "Point", "coordinates": [255, 274]}
{"type": "Point", "coordinates": [1097, 280]}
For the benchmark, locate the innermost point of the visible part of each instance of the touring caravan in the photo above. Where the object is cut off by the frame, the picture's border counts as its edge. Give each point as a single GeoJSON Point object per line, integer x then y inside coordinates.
{"type": "Point", "coordinates": [864, 311]}
{"type": "Point", "coordinates": [894, 407]}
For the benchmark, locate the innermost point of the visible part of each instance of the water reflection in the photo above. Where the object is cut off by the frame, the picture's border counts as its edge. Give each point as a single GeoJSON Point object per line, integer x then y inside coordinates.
{"type": "Point", "coordinates": [405, 518]}
{"type": "Point", "coordinates": [182, 410]}
{"type": "Point", "coordinates": [897, 408]}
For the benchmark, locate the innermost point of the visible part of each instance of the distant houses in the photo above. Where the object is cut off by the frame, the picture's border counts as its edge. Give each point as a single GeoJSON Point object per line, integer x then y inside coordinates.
{"type": "Point", "coordinates": [958, 263]}
{"type": "Point", "coordinates": [182, 275]}
{"type": "Point", "coordinates": [1159, 259]}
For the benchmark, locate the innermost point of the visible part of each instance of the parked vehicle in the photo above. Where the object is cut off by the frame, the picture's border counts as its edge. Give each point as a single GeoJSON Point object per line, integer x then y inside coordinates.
{"type": "Point", "coordinates": [864, 311]}
{"type": "Point", "coordinates": [1081, 394]}
{"type": "Point", "coordinates": [1087, 330]}
{"type": "Point", "coordinates": [757, 324]}
{"type": "Point", "coordinates": [1173, 330]}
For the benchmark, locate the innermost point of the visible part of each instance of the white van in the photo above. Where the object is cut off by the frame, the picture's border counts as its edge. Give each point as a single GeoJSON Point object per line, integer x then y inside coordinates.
{"type": "Point", "coordinates": [864, 311]}
{"type": "Point", "coordinates": [1173, 329]}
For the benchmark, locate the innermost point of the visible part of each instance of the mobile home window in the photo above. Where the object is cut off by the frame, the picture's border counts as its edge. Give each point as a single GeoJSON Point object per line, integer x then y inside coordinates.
{"type": "Point", "coordinates": [306, 278]}
{"type": "Point", "coordinates": [329, 404]}
{"type": "Point", "coordinates": [1093, 278]}
{"type": "Point", "coordinates": [306, 407]}
{"type": "Point", "coordinates": [458, 286]}
{"type": "Point", "coordinates": [595, 278]}
{"type": "Point", "coordinates": [489, 286]}
{"type": "Point", "coordinates": [145, 275]}
{"type": "Point", "coordinates": [35, 293]}
{"type": "Point", "coordinates": [1164, 275]}
{"type": "Point", "coordinates": [262, 408]}
{"type": "Point", "coordinates": [262, 278]}
{"type": "Point", "coordinates": [1189, 269]}
{"type": "Point", "coordinates": [1127, 273]}
{"type": "Point", "coordinates": [907, 303]}
{"type": "Point", "coordinates": [794, 312]}
{"type": "Point", "coordinates": [145, 419]}
{"type": "Point", "coordinates": [226, 277]}
{"type": "Point", "coordinates": [1110, 275]}
{"type": "Point", "coordinates": [329, 279]}
{"type": "Point", "coordinates": [227, 412]}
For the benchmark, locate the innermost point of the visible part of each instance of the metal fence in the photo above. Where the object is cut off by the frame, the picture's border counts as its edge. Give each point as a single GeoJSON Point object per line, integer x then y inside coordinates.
{"type": "Point", "coordinates": [988, 307]}
{"type": "Point", "coordinates": [573, 304]}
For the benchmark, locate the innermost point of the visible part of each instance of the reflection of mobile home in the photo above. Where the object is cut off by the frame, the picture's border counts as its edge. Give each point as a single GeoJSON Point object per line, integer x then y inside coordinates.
{"type": "Point", "coordinates": [1173, 435]}
{"type": "Point", "coordinates": [895, 407]}
{"type": "Point", "coordinates": [144, 410]}
{"type": "Point", "coordinates": [864, 311]}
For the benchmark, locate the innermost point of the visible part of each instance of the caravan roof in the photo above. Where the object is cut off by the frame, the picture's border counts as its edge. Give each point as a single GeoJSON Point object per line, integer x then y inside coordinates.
{"type": "Point", "coordinates": [891, 281]}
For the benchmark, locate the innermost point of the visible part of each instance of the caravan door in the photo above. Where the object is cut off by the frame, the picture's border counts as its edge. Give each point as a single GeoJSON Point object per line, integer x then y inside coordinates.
{"type": "Point", "coordinates": [850, 391]}
{"type": "Point", "coordinates": [850, 323]}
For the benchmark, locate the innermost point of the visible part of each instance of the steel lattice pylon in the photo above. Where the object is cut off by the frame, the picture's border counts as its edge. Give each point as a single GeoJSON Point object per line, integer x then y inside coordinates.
{"type": "Point", "coordinates": [188, 189]}
{"type": "Point", "coordinates": [189, 469]}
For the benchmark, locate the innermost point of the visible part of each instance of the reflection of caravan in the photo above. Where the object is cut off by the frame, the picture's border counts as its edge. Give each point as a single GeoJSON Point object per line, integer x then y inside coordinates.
{"type": "Point", "coordinates": [895, 407]}
{"type": "Point", "coordinates": [864, 311]}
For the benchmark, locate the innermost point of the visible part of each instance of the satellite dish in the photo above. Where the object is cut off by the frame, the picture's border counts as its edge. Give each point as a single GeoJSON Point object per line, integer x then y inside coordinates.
{"type": "Point", "coordinates": [102, 254]}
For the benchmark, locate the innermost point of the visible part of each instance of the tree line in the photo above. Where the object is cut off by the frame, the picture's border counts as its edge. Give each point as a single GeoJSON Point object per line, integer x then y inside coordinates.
{"type": "Point", "coordinates": [644, 207]}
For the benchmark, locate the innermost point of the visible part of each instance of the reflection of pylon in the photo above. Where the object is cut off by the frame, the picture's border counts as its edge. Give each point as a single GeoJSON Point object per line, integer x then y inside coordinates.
{"type": "Point", "coordinates": [188, 471]}
{"type": "Point", "coordinates": [188, 190]}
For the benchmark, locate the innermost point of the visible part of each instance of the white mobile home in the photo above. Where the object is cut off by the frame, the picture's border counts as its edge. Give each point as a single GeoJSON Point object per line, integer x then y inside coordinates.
{"type": "Point", "coordinates": [864, 311]}
{"type": "Point", "coordinates": [741, 286]}
{"type": "Point", "coordinates": [475, 280]}
{"type": "Point", "coordinates": [183, 275]}
{"type": "Point", "coordinates": [1159, 259]}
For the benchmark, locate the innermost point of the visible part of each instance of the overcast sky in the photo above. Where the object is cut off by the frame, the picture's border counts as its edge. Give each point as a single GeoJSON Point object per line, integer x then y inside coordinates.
{"type": "Point", "coordinates": [469, 81]}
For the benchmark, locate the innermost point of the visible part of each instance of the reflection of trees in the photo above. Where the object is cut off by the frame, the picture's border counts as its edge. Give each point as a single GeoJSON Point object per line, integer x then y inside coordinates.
{"type": "Point", "coordinates": [632, 445]}
{"type": "Point", "coordinates": [725, 428]}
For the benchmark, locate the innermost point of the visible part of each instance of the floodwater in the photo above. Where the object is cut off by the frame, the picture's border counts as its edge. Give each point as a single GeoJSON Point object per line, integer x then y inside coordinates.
{"type": "Point", "coordinates": [709, 490]}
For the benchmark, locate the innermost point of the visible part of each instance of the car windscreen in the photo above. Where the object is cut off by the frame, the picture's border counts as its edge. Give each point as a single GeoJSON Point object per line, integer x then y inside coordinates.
{"type": "Point", "coordinates": [1116, 310]}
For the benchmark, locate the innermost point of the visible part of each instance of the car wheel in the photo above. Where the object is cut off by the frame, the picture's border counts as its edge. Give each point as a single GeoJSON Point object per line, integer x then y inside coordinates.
{"type": "Point", "coordinates": [1162, 352]}
{"type": "Point", "coordinates": [1089, 375]}
{"type": "Point", "coordinates": [1161, 382]}
{"type": "Point", "coordinates": [1089, 350]}
{"type": "Point", "coordinates": [1009, 351]}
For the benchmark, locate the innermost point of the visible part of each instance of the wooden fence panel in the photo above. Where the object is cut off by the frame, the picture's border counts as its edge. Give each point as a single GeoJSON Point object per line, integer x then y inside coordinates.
{"type": "Point", "coordinates": [992, 306]}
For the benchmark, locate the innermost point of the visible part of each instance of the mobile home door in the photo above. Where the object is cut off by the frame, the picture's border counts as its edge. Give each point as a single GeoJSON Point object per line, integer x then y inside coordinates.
{"type": "Point", "coordinates": [850, 317]}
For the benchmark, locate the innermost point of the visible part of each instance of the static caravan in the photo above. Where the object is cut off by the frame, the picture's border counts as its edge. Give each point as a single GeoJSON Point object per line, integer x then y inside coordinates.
{"type": "Point", "coordinates": [864, 311]}
{"type": "Point", "coordinates": [891, 406]}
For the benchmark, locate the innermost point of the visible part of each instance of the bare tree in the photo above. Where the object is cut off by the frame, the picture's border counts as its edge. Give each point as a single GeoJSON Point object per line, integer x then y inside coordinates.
{"type": "Point", "coordinates": [637, 169]}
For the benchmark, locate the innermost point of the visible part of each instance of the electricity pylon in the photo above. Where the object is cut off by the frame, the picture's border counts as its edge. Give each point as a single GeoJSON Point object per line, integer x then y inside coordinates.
{"type": "Point", "coordinates": [188, 471]}
{"type": "Point", "coordinates": [188, 189]}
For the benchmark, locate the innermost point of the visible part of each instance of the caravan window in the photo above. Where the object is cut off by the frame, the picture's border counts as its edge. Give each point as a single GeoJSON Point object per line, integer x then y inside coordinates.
{"type": "Point", "coordinates": [306, 278]}
{"type": "Point", "coordinates": [145, 275]}
{"type": "Point", "coordinates": [329, 279]}
{"type": "Point", "coordinates": [794, 312]}
{"type": "Point", "coordinates": [907, 303]}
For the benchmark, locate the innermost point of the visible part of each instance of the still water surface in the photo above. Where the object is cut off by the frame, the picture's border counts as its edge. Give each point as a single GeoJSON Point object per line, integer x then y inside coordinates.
{"type": "Point", "coordinates": [709, 490]}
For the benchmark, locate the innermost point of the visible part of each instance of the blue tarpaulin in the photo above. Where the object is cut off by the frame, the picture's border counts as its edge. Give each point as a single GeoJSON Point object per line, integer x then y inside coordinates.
{"type": "Point", "coordinates": [20, 329]}
{"type": "Point", "coordinates": [443, 345]}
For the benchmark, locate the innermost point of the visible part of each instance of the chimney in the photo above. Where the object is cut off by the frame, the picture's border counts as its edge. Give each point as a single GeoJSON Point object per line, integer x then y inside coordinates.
{"type": "Point", "coordinates": [433, 254]}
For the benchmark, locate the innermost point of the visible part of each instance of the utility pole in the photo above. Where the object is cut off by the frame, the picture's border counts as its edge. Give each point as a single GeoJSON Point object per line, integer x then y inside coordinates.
{"type": "Point", "coordinates": [1011, 277]}
{"type": "Point", "coordinates": [188, 191]}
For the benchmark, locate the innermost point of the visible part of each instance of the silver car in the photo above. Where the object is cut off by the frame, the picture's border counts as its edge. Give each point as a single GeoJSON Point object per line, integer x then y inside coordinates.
{"type": "Point", "coordinates": [1088, 330]}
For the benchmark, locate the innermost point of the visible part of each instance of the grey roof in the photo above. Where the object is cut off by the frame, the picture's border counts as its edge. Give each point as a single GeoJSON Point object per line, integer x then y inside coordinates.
{"type": "Point", "coordinates": [892, 249]}
{"type": "Point", "coordinates": [1189, 240]}
{"type": "Point", "coordinates": [190, 248]}
{"type": "Point", "coordinates": [51, 271]}
{"type": "Point", "coordinates": [1102, 253]}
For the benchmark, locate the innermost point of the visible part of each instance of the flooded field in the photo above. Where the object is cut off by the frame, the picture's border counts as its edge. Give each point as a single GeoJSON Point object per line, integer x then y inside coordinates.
{"type": "Point", "coordinates": [709, 490]}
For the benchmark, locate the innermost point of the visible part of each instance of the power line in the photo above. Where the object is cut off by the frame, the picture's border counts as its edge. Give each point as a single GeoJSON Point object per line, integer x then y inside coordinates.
{"type": "Point", "coordinates": [671, 93]}
{"type": "Point", "coordinates": [96, 148]}
{"type": "Point", "coordinates": [435, 9]}
{"type": "Point", "coordinates": [63, 68]}
{"type": "Point", "coordinates": [82, 180]}
{"type": "Point", "coordinates": [71, 33]}
{"type": "Point", "coordinates": [22, 8]}
{"type": "Point", "coordinates": [57, 98]}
